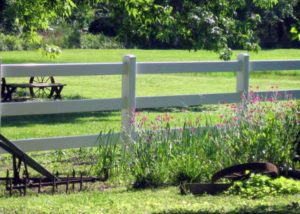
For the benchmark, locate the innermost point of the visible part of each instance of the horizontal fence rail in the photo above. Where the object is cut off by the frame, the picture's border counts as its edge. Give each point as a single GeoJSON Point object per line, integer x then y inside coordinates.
{"type": "Point", "coordinates": [68, 69]}
{"type": "Point", "coordinates": [42, 144]}
{"type": "Point", "coordinates": [183, 67]}
{"type": "Point", "coordinates": [271, 65]}
{"type": "Point", "coordinates": [129, 68]}
{"type": "Point", "coordinates": [187, 100]}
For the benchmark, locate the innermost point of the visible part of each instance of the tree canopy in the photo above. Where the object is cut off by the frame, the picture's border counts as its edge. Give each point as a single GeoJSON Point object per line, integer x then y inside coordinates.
{"type": "Point", "coordinates": [218, 25]}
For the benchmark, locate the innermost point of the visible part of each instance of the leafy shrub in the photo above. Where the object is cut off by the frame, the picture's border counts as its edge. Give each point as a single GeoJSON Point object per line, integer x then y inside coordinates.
{"type": "Point", "coordinates": [259, 186]}
{"type": "Point", "coordinates": [51, 51]}
{"type": "Point", "coordinates": [261, 130]}
{"type": "Point", "coordinates": [62, 35]}
{"type": "Point", "coordinates": [99, 41]}
{"type": "Point", "coordinates": [10, 42]}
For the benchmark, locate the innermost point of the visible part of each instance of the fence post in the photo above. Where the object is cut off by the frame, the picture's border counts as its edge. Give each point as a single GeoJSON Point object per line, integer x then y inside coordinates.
{"type": "Point", "coordinates": [129, 99]}
{"type": "Point", "coordinates": [242, 80]}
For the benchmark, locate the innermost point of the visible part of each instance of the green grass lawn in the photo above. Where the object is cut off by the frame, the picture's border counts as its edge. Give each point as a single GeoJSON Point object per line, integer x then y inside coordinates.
{"type": "Point", "coordinates": [78, 55]}
{"type": "Point", "coordinates": [158, 201]}
{"type": "Point", "coordinates": [147, 85]}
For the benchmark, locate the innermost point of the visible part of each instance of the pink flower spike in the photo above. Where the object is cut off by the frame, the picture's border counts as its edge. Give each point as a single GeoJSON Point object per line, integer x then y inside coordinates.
{"type": "Point", "coordinates": [132, 110]}
{"type": "Point", "coordinates": [256, 99]}
{"type": "Point", "coordinates": [132, 121]}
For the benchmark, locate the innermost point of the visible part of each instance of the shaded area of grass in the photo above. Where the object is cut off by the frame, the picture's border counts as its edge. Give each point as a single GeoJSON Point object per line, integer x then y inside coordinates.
{"type": "Point", "coordinates": [159, 201]}
{"type": "Point", "coordinates": [21, 127]}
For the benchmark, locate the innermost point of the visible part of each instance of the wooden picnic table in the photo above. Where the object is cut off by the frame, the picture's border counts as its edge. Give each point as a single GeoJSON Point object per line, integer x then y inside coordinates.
{"type": "Point", "coordinates": [44, 87]}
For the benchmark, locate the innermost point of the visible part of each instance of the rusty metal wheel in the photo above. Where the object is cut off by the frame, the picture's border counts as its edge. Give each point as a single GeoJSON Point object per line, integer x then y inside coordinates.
{"type": "Point", "coordinates": [239, 172]}
{"type": "Point", "coordinates": [42, 92]}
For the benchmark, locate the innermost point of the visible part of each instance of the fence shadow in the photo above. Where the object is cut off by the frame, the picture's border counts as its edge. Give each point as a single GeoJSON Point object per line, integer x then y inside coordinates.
{"type": "Point", "coordinates": [54, 119]}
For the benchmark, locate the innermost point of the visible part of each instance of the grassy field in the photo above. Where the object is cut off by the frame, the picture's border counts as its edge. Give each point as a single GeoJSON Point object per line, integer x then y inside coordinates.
{"type": "Point", "coordinates": [147, 85]}
{"type": "Point", "coordinates": [76, 55]}
{"type": "Point", "coordinates": [167, 201]}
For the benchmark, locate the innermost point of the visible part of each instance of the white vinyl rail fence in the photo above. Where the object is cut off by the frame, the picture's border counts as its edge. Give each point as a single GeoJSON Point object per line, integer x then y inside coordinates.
{"type": "Point", "coordinates": [129, 68]}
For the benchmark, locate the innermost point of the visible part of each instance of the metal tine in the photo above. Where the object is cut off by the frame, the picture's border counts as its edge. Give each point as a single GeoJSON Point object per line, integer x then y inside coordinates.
{"type": "Point", "coordinates": [57, 175]}
{"type": "Point", "coordinates": [40, 185]}
{"type": "Point", "coordinates": [53, 185]}
{"type": "Point", "coordinates": [25, 186]}
{"type": "Point", "coordinates": [7, 178]}
{"type": "Point", "coordinates": [10, 186]}
{"type": "Point", "coordinates": [73, 184]}
{"type": "Point", "coordinates": [67, 184]}
{"type": "Point", "coordinates": [80, 185]}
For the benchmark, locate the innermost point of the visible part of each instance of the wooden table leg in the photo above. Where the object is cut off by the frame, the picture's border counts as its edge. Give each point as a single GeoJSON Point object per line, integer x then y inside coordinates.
{"type": "Point", "coordinates": [57, 90]}
{"type": "Point", "coordinates": [8, 95]}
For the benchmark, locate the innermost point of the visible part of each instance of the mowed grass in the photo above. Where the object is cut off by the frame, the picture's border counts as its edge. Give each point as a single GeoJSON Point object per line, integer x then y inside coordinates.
{"type": "Point", "coordinates": [167, 201]}
{"type": "Point", "coordinates": [92, 55]}
{"type": "Point", "coordinates": [147, 85]}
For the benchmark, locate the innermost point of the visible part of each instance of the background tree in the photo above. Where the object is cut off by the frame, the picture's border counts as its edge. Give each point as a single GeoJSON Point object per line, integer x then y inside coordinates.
{"type": "Point", "coordinates": [217, 25]}
{"type": "Point", "coordinates": [30, 16]}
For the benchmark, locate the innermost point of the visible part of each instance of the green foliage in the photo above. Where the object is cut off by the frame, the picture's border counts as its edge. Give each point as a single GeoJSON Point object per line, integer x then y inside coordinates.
{"type": "Point", "coordinates": [51, 51]}
{"type": "Point", "coordinates": [91, 41]}
{"type": "Point", "coordinates": [108, 160]}
{"type": "Point", "coordinates": [213, 25]}
{"type": "Point", "coordinates": [259, 186]}
{"type": "Point", "coordinates": [10, 42]}
{"type": "Point", "coordinates": [262, 130]}
{"type": "Point", "coordinates": [62, 35]}
{"type": "Point", "coordinates": [295, 33]}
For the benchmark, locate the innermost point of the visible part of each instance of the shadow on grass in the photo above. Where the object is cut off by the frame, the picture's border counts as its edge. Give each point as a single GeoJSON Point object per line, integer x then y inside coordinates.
{"type": "Point", "coordinates": [74, 97]}
{"type": "Point", "coordinates": [56, 118]}
{"type": "Point", "coordinates": [292, 208]}
{"type": "Point", "coordinates": [198, 108]}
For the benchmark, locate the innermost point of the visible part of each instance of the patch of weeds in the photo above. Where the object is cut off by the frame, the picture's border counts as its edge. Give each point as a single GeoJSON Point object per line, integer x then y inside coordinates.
{"type": "Point", "coordinates": [259, 186]}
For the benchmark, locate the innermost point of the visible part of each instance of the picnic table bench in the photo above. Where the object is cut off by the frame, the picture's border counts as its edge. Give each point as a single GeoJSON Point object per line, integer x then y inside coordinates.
{"type": "Point", "coordinates": [38, 87]}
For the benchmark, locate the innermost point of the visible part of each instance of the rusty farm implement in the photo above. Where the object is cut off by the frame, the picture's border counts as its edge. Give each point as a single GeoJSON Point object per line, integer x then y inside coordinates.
{"type": "Point", "coordinates": [21, 179]}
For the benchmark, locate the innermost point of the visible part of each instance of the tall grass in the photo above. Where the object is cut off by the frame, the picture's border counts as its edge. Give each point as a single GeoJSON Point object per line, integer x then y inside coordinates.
{"type": "Point", "coordinates": [256, 130]}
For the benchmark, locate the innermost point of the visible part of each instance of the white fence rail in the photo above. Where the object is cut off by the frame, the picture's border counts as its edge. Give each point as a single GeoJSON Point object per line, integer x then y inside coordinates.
{"type": "Point", "coordinates": [129, 68]}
